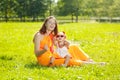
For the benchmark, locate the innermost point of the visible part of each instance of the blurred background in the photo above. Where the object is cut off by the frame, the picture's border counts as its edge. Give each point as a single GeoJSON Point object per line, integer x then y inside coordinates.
{"type": "Point", "coordinates": [63, 10]}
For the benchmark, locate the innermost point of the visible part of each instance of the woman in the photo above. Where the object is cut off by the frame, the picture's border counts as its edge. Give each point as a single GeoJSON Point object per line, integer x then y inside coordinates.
{"type": "Point", "coordinates": [43, 47]}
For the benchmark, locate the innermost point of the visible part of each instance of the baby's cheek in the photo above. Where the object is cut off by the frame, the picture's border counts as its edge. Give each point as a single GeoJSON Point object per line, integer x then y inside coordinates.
{"type": "Point", "coordinates": [64, 38]}
{"type": "Point", "coordinates": [58, 39]}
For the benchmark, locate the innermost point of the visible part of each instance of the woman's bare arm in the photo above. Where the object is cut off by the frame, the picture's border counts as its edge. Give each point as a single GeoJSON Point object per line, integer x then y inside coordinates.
{"type": "Point", "coordinates": [37, 38]}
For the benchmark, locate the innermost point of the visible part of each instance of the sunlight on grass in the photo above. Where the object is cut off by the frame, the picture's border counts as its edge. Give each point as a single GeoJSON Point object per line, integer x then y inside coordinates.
{"type": "Point", "coordinates": [99, 40]}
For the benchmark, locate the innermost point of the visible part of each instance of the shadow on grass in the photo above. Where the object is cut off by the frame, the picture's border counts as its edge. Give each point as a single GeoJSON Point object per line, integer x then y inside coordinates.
{"type": "Point", "coordinates": [33, 65]}
{"type": "Point", "coordinates": [6, 57]}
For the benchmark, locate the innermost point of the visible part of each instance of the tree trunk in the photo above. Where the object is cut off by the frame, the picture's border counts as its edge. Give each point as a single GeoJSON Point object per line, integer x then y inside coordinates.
{"type": "Point", "coordinates": [76, 18]}
{"type": "Point", "coordinates": [72, 18]}
{"type": "Point", "coordinates": [33, 18]}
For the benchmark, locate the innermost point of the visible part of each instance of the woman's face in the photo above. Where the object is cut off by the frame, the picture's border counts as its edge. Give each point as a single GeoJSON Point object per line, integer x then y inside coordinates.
{"type": "Point", "coordinates": [50, 24]}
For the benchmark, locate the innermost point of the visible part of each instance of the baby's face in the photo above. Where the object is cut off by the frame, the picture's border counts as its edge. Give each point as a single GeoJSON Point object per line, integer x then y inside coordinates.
{"type": "Point", "coordinates": [60, 36]}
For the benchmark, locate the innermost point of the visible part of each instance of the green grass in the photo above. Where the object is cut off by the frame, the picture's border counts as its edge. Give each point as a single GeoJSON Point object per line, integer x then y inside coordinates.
{"type": "Point", "coordinates": [101, 41]}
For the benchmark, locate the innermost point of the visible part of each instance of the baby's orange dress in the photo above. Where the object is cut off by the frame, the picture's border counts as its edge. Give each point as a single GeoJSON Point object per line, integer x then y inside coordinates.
{"type": "Point", "coordinates": [77, 54]}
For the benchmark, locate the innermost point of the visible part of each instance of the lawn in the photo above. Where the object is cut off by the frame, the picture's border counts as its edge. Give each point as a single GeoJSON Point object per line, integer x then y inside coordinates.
{"type": "Point", "coordinates": [101, 41]}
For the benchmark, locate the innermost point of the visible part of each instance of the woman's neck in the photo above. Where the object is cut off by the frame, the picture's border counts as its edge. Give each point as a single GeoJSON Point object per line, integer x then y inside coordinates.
{"type": "Point", "coordinates": [48, 32]}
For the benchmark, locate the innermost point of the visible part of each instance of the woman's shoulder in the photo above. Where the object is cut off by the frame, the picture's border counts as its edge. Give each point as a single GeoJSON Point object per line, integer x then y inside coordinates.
{"type": "Point", "coordinates": [38, 36]}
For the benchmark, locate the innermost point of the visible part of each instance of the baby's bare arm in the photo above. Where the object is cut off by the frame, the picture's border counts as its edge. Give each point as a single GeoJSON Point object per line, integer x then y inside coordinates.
{"type": "Point", "coordinates": [67, 43]}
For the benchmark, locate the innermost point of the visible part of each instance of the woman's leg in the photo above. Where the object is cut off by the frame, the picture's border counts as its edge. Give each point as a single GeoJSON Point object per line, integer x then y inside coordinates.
{"type": "Point", "coordinates": [78, 53]}
{"type": "Point", "coordinates": [44, 59]}
{"type": "Point", "coordinates": [99, 63]}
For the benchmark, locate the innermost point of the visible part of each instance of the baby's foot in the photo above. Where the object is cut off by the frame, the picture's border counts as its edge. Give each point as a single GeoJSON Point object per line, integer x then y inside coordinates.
{"type": "Point", "coordinates": [90, 60]}
{"type": "Point", "coordinates": [63, 65]}
{"type": "Point", "coordinates": [50, 64]}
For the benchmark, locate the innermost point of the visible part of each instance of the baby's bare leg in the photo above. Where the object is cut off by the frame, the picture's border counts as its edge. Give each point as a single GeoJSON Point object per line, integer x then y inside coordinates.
{"type": "Point", "coordinates": [67, 59]}
{"type": "Point", "coordinates": [52, 59]}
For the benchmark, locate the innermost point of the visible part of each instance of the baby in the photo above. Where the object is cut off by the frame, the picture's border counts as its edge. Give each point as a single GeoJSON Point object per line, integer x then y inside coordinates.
{"type": "Point", "coordinates": [62, 46]}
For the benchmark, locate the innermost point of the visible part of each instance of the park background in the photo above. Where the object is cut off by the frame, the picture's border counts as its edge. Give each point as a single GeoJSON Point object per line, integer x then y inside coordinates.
{"type": "Point", "coordinates": [75, 10]}
{"type": "Point", "coordinates": [93, 25]}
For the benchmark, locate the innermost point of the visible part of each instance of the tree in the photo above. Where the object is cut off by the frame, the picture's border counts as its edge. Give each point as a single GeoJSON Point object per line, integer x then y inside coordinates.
{"type": "Point", "coordinates": [7, 8]}
{"type": "Point", "coordinates": [90, 7]}
{"type": "Point", "coordinates": [78, 4]}
{"type": "Point", "coordinates": [114, 10]}
{"type": "Point", "coordinates": [20, 9]}
{"type": "Point", "coordinates": [36, 8]}
{"type": "Point", "coordinates": [70, 7]}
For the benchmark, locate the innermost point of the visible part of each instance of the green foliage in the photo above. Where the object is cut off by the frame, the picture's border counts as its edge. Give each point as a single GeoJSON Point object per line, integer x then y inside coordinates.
{"type": "Point", "coordinates": [99, 40]}
{"type": "Point", "coordinates": [21, 10]}
{"type": "Point", "coordinates": [97, 8]}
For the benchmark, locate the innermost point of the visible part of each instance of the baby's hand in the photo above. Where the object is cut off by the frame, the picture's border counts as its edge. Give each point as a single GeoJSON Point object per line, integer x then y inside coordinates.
{"type": "Point", "coordinates": [46, 47]}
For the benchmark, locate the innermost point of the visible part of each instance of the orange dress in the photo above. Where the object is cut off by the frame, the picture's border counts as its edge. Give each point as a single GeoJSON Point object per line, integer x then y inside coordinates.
{"type": "Point", "coordinates": [77, 54]}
